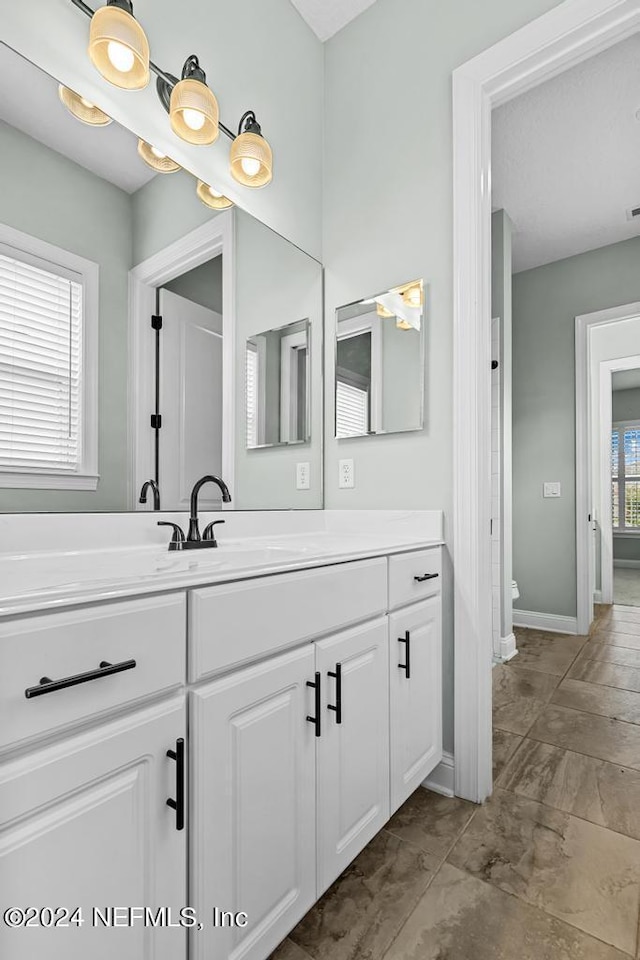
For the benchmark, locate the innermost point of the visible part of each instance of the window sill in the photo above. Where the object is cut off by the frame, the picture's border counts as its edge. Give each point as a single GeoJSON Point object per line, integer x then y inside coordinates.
{"type": "Point", "coordinates": [48, 481]}
{"type": "Point", "coordinates": [626, 533]}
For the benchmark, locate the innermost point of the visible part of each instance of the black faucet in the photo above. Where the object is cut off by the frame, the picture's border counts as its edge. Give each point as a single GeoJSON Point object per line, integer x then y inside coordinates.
{"type": "Point", "coordinates": [194, 531]}
{"type": "Point", "coordinates": [156, 493]}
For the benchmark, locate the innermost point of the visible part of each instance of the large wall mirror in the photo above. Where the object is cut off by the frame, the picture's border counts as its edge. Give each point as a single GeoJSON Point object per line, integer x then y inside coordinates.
{"type": "Point", "coordinates": [380, 347]}
{"type": "Point", "coordinates": [129, 295]}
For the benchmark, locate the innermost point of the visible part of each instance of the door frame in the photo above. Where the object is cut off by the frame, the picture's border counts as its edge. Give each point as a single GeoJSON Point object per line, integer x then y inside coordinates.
{"type": "Point", "coordinates": [197, 247]}
{"type": "Point", "coordinates": [561, 38]}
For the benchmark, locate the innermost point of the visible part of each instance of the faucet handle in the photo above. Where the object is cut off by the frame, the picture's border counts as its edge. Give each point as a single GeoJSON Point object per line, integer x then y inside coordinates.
{"type": "Point", "coordinates": [177, 537]}
{"type": "Point", "coordinates": [209, 532]}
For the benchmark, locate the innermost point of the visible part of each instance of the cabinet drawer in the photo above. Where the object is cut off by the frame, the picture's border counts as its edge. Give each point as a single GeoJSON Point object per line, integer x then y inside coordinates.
{"type": "Point", "coordinates": [237, 622]}
{"type": "Point", "coordinates": [151, 633]}
{"type": "Point", "coordinates": [407, 573]}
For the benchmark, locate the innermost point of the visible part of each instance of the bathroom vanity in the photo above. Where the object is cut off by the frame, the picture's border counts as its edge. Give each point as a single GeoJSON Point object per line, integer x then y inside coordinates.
{"type": "Point", "coordinates": [222, 732]}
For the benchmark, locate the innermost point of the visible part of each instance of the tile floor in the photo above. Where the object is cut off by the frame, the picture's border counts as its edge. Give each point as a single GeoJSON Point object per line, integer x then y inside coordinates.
{"type": "Point", "coordinates": [626, 586]}
{"type": "Point", "coordinates": [549, 867]}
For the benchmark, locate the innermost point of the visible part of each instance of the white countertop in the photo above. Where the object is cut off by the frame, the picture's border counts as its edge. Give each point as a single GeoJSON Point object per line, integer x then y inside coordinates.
{"type": "Point", "coordinates": [50, 580]}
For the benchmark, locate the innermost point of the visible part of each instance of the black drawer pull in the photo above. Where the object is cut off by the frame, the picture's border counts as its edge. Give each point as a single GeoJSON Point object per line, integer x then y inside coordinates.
{"type": "Point", "coordinates": [426, 576]}
{"type": "Point", "coordinates": [105, 669]}
{"type": "Point", "coordinates": [406, 666]}
{"type": "Point", "coordinates": [337, 707]}
{"type": "Point", "coordinates": [178, 803]}
{"type": "Point", "coordinates": [316, 721]}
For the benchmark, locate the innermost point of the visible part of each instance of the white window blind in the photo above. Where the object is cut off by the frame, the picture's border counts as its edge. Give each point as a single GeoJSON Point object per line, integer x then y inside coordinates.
{"type": "Point", "coordinates": [252, 395]}
{"type": "Point", "coordinates": [625, 476]}
{"type": "Point", "coordinates": [40, 367]}
{"type": "Point", "coordinates": [352, 410]}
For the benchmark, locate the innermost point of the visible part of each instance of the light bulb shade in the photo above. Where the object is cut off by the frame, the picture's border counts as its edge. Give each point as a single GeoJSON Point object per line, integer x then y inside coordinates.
{"type": "Point", "coordinates": [211, 198]}
{"type": "Point", "coordinates": [251, 146]}
{"type": "Point", "coordinates": [82, 109]}
{"type": "Point", "coordinates": [190, 97]}
{"type": "Point", "coordinates": [383, 312]}
{"type": "Point", "coordinates": [115, 28]}
{"type": "Point", "coordinates": [161, 164]}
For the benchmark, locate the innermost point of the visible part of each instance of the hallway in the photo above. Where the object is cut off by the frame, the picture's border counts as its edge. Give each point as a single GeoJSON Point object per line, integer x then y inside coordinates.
{"type": "Point", "coordinates": [549, 868]}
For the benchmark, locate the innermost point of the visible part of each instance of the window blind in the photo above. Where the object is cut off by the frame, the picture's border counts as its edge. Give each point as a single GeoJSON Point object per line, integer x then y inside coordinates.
{"type": "Point", "coordinates": [40, 368]}
{"type": "Point", "coordinates": [252, 395]}
{"type": "Point", "coordinates": [625, 476]}
{"type": "Point", "coordinates": [352, 410]}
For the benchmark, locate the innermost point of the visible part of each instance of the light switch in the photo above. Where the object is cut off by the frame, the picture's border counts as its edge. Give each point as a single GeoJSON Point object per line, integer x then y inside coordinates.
{"type": "Point", "coordinates": [346, 475]}
{"type": "Point", "coordinates": [552, 489]}
{"type": "Point", "coordinates": [303, 476]}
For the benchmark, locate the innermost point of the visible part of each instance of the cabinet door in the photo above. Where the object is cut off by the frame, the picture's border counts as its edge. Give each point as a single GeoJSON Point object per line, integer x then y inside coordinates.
{"type": "Point", "coordinates": [353, 751]}
{"type": "Point", "coordinates": [254, 812]}
{"type": "Point", "coordinates": [85, 824]}
{"type": "Point", "coordinates": [415, 667]}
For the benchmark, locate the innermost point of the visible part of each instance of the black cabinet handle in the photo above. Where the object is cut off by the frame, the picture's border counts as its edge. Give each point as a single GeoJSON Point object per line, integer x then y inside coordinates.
{"type": "Point", "coordinates": [178, 803]}
{"type": "Point", "coordinates": [316, 721]}
{"type": "Point", "coordinates": [426, 576]}
{"type": "Point", "coordinates": [105, 669]}
{"type": "Point", "coordinates": [406, 666]}
{"type": "Point", "coordinates": [337, 707]}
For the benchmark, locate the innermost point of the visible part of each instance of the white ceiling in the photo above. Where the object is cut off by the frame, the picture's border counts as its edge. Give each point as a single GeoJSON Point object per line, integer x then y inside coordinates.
{"type": "Point", "coordinates": [566, 158]}
{"type": "Point", "coordinates": [626, 380]}
{"type": "Point", "coordinates": [326, 17]}
{"type": "Point", "coordinates": [110, 152]}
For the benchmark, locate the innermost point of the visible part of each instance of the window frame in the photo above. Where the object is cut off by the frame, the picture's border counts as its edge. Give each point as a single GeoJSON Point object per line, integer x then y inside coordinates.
{"type": "Point", "coordinates": [24, 246]}
{"type": "Point", "coordinates": [623, 531]}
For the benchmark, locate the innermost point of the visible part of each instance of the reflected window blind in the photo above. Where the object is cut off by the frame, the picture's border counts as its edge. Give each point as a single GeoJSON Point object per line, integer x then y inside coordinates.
{"type": "Point", "coordinates": [252, 395]}
{"type": "Point", "coordinates": [625, 476]}
{"type": "Point", "coordinates": [40, 368]}
{"type": "Point", "coordinates": [352, 410]}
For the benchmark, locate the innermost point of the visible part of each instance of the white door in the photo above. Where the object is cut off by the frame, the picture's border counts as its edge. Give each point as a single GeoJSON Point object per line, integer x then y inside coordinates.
{"type": "Point", "coordinates": [85, 824]}
{"type": "Point", "coordinates": [415, 666]}
{"type": "Point", "coordinates": [353, 749]}
{"type": "Point", "coordinates": [190, 401]}
{"type": "Point", "coordinates": [253, 803]}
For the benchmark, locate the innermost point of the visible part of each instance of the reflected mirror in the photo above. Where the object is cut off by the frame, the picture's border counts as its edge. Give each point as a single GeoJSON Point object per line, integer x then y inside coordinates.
{"type": "Point", "coordinates": [277, 386]}
{"type": "Point", "coordinates": [379, 380]}
{"type": "Point", "coordinates": [128, 293]}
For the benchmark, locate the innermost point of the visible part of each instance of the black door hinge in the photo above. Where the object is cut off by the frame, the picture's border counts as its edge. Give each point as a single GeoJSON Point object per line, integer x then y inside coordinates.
{"type": "Point", "coordinates": [156, 323]}
{"type": "Point", "coordinates": [156, 421]}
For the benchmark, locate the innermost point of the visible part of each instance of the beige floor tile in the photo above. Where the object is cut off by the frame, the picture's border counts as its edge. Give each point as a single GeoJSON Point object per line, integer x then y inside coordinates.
{"type": "Point", "coordinates": [431, 822]}
{"type": "Point", "coordinates": [362, 912]}
{"type": "Point", "coordinates": [461, 918]}
{"type": "Point", "coordinates": [574, 870]}
{"type": "Point", "coordinates": [624, 623]}
{"type": "Point", "coordinates": [609, 653]}
{"type": "Point", "coordinates": [604, 793]}
{"type": "Point", "coordinates": [616, 639]}
{"type": "Point", "coordinates": [288, 950]}
{"type": "Point", "coordinates": [504, 746]}
{"type": "Point", "coordinates": [519, 695]}
{"type": "Point", "coordinates": [595, 698]}
{"type": "Point", "coordinates": [551, 653]}
{"type": "Point", "coordinates": [587, 733]}
{"type": "Point", "coordinates": [607, 674]}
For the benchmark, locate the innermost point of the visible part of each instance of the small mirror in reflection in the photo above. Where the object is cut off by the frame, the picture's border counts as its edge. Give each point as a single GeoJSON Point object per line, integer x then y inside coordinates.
{"type": "Point", "coordinates": [277, 386]}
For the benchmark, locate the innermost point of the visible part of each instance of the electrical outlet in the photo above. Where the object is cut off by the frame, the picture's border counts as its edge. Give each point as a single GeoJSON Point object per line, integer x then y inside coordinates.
{"type": "Point", "coordinates": [346, 475]}
{"type": "Point", "coordinates": [303, 476]}
{"type": "Point", "coordinates": [552, 489]}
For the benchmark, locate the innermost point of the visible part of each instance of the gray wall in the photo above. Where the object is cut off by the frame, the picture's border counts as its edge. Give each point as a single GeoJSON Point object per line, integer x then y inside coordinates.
{"type": "Point", "coordinates": [48, 196]}
{"type": "Point", "coordinates": [626, 404]}
{"type": "Point", "coordinates": [201, 285]}
{"type": "Point", "coordinates": [545, 303]}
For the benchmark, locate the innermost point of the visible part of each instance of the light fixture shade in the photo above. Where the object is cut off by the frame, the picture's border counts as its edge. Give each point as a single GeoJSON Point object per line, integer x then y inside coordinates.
{"type": "Point", "coordinates": [211, 198]}
{"type": "Point", "coordinates": [383, 312]}
{"type": "Point", "coordinates": [119, 48]}
{"type": "Point", "coordinates": [156, 159]}
{"type": "Point", "coordinates": [189, 98]}
{"type": "Point", "coordinates": [251, 147]}
{"type": "Point", "coordinates": [82, 109]}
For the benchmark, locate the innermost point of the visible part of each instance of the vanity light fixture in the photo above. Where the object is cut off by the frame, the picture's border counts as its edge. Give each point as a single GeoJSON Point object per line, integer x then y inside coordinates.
{"type": "Point", "coordinates": [212, 198]}
{"type": "Point", "coordinates": [118, 46]}
{"type": "Point", "coordinates": [193, 108]}
{"type": "Point", "coordinates": [156, 159]}
{"type": "Point", "coordinates": [82, 109]}
{"type": "Point", "coordinates": [251, 155]}
{"type": "Point", "coordinates": [383, 312]}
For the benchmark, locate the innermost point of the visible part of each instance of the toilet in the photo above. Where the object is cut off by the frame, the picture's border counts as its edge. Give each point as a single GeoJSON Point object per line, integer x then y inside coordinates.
{"type": "Point", "coordinates": [515, 593]}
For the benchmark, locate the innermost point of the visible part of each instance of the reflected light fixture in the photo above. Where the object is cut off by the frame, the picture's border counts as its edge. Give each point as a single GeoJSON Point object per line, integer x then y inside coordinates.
{"type": "Point", "coordinates": [211, 197]}
{"type": "Point", "coordinates": [118, 46]}
{"type": "Point", "coordinates": [156, 159]}
{"type": "Point", "coordinates": [251, 155]}
{"type": "Point", "coordinates": [383, 312]}
{"type": "Point", "coordinates": [83, 109]}
{"type": "Point", "coordinates": [193, 108]}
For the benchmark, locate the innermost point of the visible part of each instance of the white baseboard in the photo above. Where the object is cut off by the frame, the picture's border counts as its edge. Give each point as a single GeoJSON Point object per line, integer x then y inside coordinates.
{"type": "Point", "coordinates": [507, 649]}
{"type": "Point", "coordinates": [544, 621]}
{"type": "Point", "coordinates": [632, 564]}
{"type": "Point", "coordinates": [597, 596]}
{"type": "Point", "coordinates": [442, 780]}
